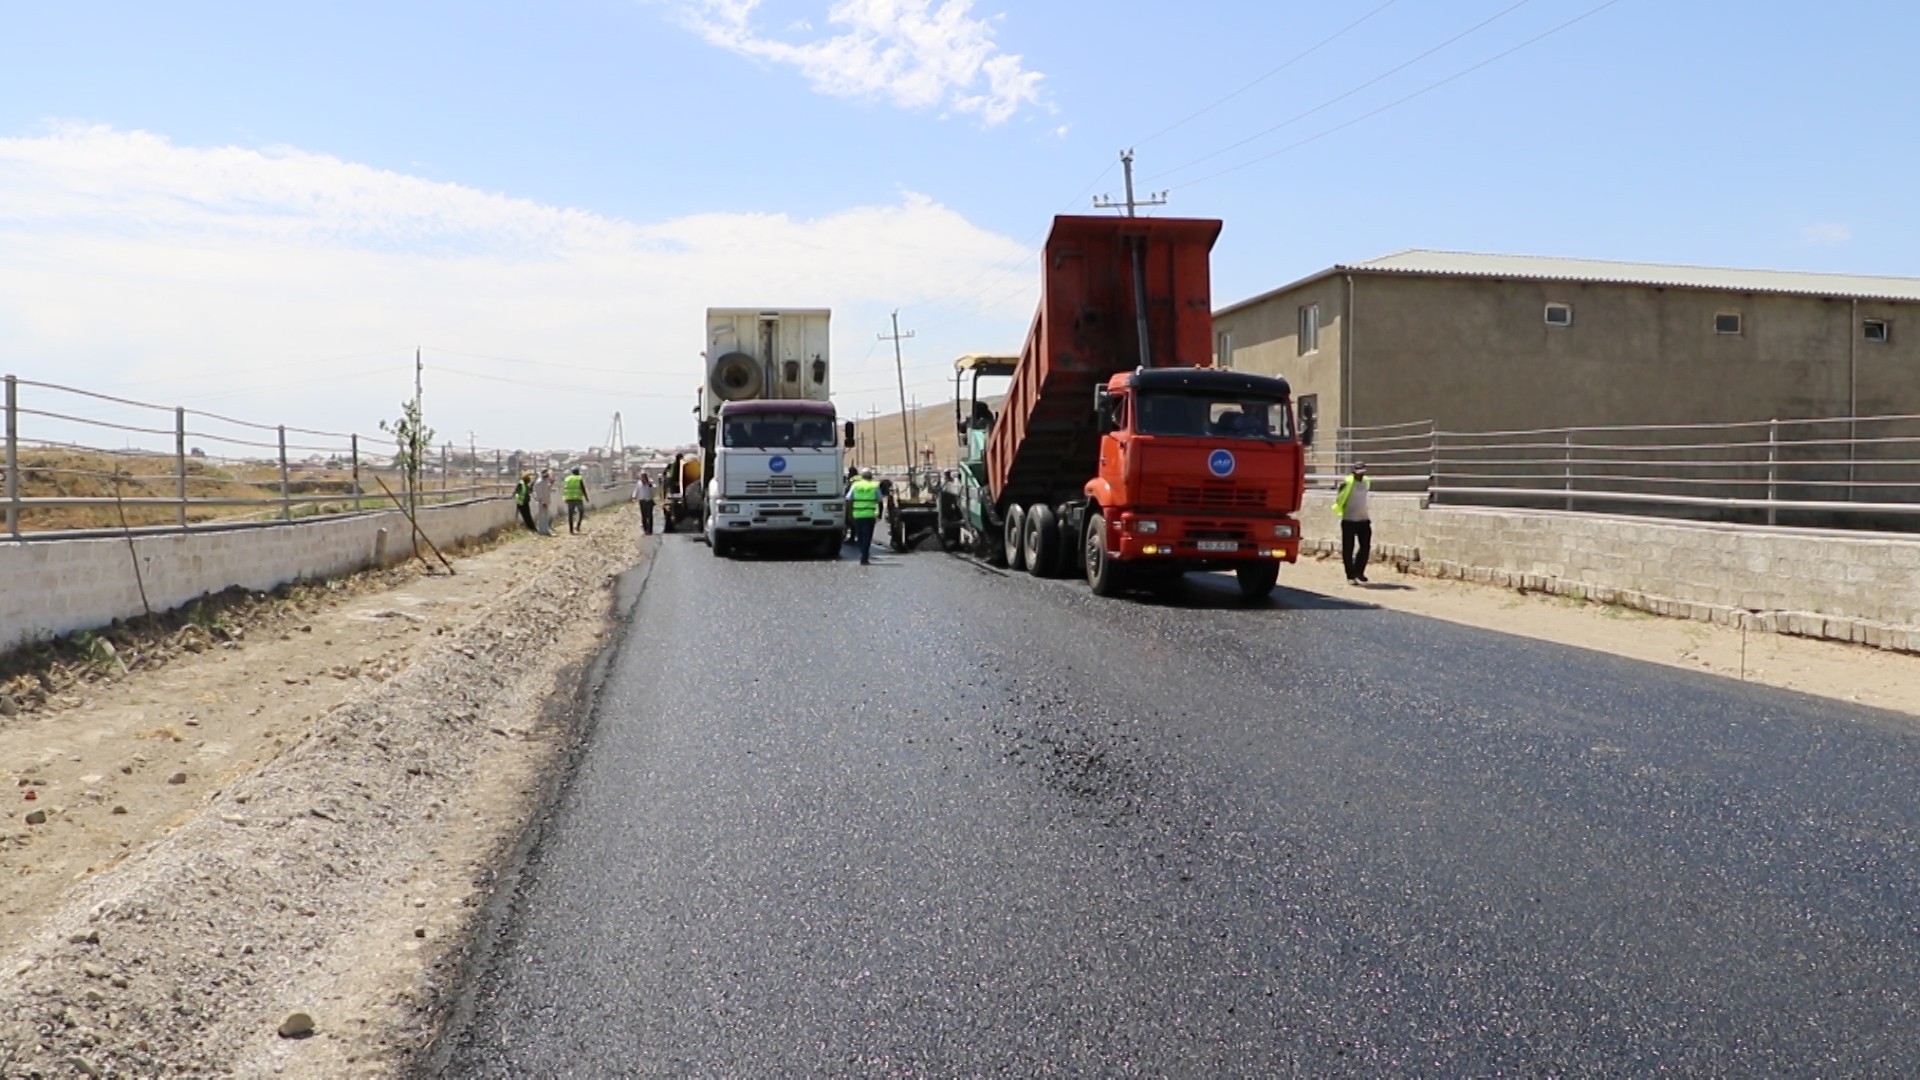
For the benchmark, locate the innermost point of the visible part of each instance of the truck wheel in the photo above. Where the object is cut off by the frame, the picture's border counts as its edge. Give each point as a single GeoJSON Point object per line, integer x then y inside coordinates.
{"type": "Point", "coordinates": [830, 546]}
{"type": "Point", "coordinates": [1013, 537]}
{"type": "Point", "coordinates": [1257, 579]}
{"type": "Point", "coordinates": [1105, 576]}
{"type": "Point", "coordinates": [1042, 541]}
{"type": "Point", "coordinates": [722, 546]}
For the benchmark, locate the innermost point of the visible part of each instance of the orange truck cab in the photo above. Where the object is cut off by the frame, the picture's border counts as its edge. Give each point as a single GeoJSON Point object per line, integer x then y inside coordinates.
{"type": "Point", "coordinates": [1119, 451]}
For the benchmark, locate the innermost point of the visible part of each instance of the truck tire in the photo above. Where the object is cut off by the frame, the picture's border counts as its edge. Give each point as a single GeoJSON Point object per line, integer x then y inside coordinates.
{"type": "Point", "coordinates": [1104, 576]}
{"type": "Point", "coordinates": [1042, 541]}
{"type": "Point", "coordinates": [830, 547]}
{"type": "Point", "coordinates": [722, 546]}
{"type": "Point", "coordinates": [1013, 537]}
{"type": "Point", "coordinates": [1257, 579]}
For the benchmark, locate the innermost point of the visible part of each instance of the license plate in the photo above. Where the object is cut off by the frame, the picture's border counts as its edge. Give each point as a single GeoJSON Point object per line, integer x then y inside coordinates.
{"type": "Point", "coordinates": [1217, 545]}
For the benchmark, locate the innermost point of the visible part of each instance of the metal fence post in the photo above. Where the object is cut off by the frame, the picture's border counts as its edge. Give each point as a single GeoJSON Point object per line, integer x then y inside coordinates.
{"type": "Point", "coordinates": [180, 458]}
{"type": "Point", "coordinates": [353, 448]}
{"type": "Point", "coordinates": [286, 489]}
{"type": "Point", "coordinates": [1433, 459]}
{"type": "Point", "coordinates": [1566, 467]}
{"type": "Point", "coordinates": [13, 457]}
{"type": "Point", "coordinates": [1773, 462]}
{"type": "Point", "coordinates": [443, 473]}
{"type": "Point", "coordinates": [494, 488]}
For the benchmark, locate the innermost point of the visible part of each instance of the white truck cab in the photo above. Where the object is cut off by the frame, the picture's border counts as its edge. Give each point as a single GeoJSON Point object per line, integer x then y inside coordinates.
{"type": "Point", "coordinates": [778, 467]}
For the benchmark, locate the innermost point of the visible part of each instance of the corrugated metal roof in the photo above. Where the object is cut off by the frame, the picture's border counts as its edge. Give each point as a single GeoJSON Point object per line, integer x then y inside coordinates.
{"type": "Point", "coordinates": [1539, 268]}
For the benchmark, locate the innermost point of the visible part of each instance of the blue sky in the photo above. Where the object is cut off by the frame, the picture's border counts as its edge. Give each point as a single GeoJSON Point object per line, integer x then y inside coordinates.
{"type": "Point", "coordinates": [262, 209]}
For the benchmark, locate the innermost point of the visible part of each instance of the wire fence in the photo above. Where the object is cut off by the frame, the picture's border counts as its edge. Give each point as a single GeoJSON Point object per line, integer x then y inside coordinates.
{"type": "Point", "coordinates": [181, 468]}
{"type": "Point", "coordinates": [1845, 472]}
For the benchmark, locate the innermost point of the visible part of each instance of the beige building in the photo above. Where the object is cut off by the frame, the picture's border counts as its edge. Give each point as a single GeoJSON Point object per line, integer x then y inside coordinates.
{"type": "Point", "coordinates": [1492, 342]}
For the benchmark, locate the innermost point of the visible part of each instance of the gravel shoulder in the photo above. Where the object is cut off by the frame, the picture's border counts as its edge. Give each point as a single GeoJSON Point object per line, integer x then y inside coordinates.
{"type": "Point", "coordinates": [306, 823]}
{"type": "Point", "coordinates": [308, 820]}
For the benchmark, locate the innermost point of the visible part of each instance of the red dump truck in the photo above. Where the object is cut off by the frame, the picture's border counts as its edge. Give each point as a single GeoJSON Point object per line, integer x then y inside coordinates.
{"type": "Point", "coordinates": [1120, 450]}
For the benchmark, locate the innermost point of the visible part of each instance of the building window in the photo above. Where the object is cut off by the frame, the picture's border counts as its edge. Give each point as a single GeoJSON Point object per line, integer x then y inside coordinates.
{"type": "Point", "coordinates": [1309, 328]}
{"type": "Point", "coordinates": [1223, 350]}
{"type": "Point", "coordinates": [1877, 330]}
{"type": "Point", "coordinates": [1726, 322]}
{"type": "Point", "coordinates": [1559, 314]}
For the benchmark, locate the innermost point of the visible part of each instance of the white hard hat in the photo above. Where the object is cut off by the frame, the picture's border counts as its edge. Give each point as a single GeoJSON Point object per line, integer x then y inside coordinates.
{"type": "Point", "coordinates": [867, 472]}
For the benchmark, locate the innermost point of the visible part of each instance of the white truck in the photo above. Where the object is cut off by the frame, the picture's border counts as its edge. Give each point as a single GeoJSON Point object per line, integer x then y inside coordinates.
{"type": "Point", "coordinates": [773, 453]}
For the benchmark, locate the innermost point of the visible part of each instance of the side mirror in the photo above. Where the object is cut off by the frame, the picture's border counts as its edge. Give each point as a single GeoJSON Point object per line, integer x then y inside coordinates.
{"type": "Point", "coordinates": [1103, 410]}
{"type": "Point", "coordinates": [1309, 419]}
{"type": "Point", "coordinates": [847, 436]}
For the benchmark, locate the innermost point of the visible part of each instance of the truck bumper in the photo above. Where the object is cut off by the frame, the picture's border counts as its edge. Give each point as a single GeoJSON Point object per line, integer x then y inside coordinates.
{"type": "Point", "coordinates": [1204, 544]}
{"type": "Point", "coordinates": [778, 520]}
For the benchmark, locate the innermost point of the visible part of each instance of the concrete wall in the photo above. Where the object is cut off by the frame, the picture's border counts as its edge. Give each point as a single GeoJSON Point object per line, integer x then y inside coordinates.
{"type": "Point", "coordinates": [1842, 586]}
{"type": "Point", "coordinates": [53, 587]}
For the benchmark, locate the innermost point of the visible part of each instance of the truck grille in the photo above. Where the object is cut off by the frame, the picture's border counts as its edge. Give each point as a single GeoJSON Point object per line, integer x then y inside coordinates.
{"type": "Point", "coordinates": [1216, 530]}
{"type": "Point", "coordinates": [1216, 496]}
{"type": "Point", "coordinates": [783, 485]}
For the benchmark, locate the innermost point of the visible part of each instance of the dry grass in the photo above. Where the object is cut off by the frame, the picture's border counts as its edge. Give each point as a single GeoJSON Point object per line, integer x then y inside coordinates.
{"type": "Point", "coordinates": [55, 473]}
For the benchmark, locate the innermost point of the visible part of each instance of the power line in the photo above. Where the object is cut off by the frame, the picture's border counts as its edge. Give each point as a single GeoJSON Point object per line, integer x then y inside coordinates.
{"type": "Point", "coordinates": [623, 372]}
{"type": "Point", "coordinates": [1294, 59]}
{"type": "Point", "coordinates": [1031, 252]}
{"type": "Point", "coordinates": [1543, 35]}
{"type": "Point", "coordinates": [1396, 69]}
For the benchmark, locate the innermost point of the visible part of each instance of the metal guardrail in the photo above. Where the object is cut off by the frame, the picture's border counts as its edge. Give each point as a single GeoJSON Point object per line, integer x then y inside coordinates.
{"type": "Point", "coordinates": [1843, 472]}
{"type": "Point", "coordinates": [183, 469]}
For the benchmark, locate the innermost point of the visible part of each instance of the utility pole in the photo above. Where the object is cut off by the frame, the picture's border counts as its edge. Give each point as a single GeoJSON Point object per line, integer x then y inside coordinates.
{"type": "Point", "coordinates": [1104, 202]}
{"type": "Point", "coordinates": [900, 373]}
{"type": "Point", "coordinates": [414, 440]}
{"type": "Point", "coordinates": [1137, 244]}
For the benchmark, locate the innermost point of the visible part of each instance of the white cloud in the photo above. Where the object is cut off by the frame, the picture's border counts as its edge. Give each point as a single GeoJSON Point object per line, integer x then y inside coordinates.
{"type": "Point", "coordinates": [128, 261]}
{"type": "Point", "coordinates": [918, 54]}
{"type": "Point", "coordinates": [1826, 233]}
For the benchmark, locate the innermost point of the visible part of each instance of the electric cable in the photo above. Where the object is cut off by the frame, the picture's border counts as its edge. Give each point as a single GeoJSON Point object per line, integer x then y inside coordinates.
{"type": "Point", "coordinates": [1390, 72]}
{"type": "Point", "coordinates": [1543, 35]}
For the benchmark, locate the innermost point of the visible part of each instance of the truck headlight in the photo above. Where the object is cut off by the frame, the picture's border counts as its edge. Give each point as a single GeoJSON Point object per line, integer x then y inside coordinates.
{"type": "Point", "coordinates": [729, 508]}
{"type": "Point", "coordinates": [1146, 526]}
{"type": "Point", "coordinates": [1283, 532]}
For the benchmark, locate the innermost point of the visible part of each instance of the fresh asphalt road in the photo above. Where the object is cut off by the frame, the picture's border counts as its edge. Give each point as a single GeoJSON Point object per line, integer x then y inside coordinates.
{"type": "Point", "coordinates": [928, 819]}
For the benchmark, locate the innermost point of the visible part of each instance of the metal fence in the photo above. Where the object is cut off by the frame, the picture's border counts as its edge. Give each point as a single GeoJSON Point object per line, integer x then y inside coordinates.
{"type": "Point", "coordinates": [181, 468]}
{"type": "Point", "coordinates": [1847, 472]}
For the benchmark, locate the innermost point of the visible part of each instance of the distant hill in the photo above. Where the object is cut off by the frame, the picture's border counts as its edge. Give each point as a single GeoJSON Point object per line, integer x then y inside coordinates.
{"type": "Point", "coordinates": [881, 442]}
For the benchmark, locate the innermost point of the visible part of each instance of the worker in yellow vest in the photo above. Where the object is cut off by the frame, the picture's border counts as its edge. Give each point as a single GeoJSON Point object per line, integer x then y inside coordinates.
{"type": "Point", "coordinates": [574, 490]}
{"type": "Point", "coordinates": [863, 505]}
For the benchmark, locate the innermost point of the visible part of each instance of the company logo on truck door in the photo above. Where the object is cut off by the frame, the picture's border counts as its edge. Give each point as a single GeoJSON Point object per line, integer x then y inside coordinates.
{"type": "Point", "coordinates": [1220, 463]}
{"type": "Point", "coordinates": [777, 464]}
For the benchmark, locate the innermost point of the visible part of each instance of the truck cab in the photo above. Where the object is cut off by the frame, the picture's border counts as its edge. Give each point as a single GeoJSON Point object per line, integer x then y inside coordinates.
{"type": "Point", "coordinates": [1200, 469]}
{"type": "Point", "coordinates": [777, 467]}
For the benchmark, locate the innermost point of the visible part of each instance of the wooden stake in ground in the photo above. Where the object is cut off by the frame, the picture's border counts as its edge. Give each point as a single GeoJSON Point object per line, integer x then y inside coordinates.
{"type": "Point", "coordinates": [419, 533]}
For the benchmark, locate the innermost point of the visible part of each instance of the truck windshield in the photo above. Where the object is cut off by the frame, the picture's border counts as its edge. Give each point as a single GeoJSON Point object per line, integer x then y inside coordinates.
{"type": "Point", "coordinates": [778, 429]}
{"type": "Point", "coordinates": [1213, 416]}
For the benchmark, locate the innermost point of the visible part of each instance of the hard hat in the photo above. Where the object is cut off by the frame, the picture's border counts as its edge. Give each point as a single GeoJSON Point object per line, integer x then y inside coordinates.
{"type": "Point", "coordinates": [867, 472]}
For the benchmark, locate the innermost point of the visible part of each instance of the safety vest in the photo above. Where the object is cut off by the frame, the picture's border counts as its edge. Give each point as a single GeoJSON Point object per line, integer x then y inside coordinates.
{"type": "Point", "coordinates": [574, 489]}
{"type": "Point", "coordinates": [1346, 489]}
{"type": "Point", "coordinates": [865, 496]}
{"type": "Point", "coordinates": [521, 493]}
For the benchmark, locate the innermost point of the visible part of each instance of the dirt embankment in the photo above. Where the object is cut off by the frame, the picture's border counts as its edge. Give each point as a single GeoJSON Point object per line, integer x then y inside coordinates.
{"type": "Point", "coordinates": [293, 827]}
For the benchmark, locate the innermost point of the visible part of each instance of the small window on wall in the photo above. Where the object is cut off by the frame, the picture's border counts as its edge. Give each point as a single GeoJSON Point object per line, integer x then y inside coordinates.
{"type": "Point", "coordinates": [1559, 314]}
{"type": "Point", "coordinates": [1309, 328]}
{"type": "Point", "coordinates": [1879, 331]}
{"type": "Point", "coordinates": [1727, 322]}
{"type": "Point", "coordinates": [1223, 350]}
